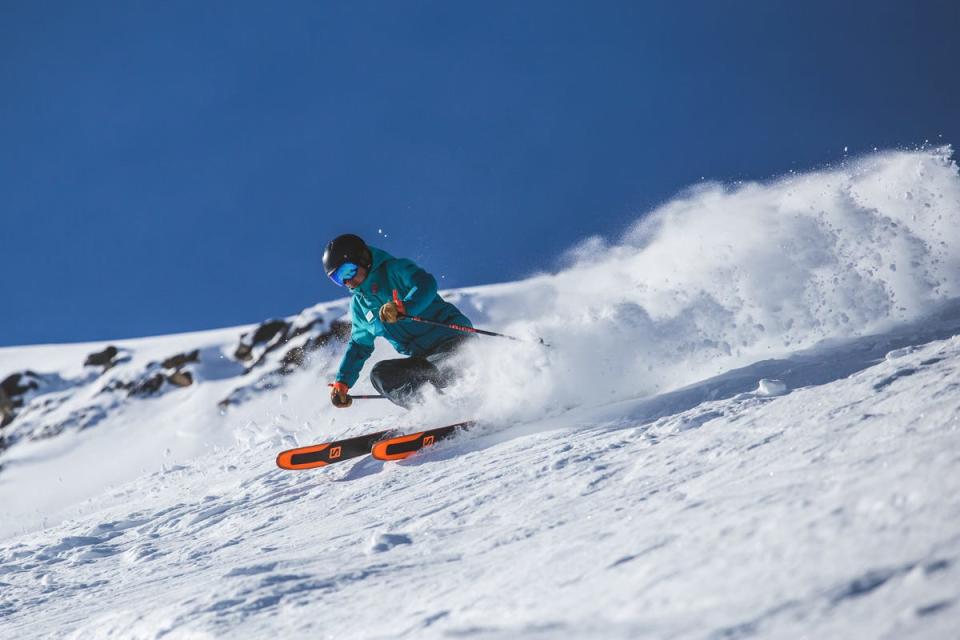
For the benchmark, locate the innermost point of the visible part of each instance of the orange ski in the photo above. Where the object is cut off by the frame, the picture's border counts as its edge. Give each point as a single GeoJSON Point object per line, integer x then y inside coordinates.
{"type": "Point", "coordinates": [400, 447]}
{"type": "Point", "coordinates": [321, 455]}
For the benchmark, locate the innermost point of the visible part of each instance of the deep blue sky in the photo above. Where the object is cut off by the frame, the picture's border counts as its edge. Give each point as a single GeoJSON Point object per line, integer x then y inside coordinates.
{"type": "Point", "coordinates": [173, 166]}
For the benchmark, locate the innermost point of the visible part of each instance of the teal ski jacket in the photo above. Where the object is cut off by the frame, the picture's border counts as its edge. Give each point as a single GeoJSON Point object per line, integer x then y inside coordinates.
{"type": "Point", "coordinates": [418, 291]}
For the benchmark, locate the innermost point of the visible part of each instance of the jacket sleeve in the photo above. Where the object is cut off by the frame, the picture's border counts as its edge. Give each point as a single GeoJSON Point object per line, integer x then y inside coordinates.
{"type": "Point", "coordinates": [359, 349]}
{"type": "Point", "coordinates": [420, 286]}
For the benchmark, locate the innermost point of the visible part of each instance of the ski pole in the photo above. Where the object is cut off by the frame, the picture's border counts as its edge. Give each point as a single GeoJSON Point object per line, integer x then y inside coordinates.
{"type": "Point", "coordinates": [458, 327]}
{"type": "Point", "coordinates": [363, 397]}
{"type": "Point", "coordinates": [455, 327]}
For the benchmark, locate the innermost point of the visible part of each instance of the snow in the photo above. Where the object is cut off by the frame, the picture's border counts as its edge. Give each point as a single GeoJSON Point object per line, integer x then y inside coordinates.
{"type": "Point", "coordinates": [768, 387]}
{"type": "Point", "coordinates": [748, 425]}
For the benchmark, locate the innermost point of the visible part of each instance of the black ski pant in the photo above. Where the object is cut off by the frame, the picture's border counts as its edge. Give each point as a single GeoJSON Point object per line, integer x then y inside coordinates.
{"type": "Point", "coordinates": [401, 379]}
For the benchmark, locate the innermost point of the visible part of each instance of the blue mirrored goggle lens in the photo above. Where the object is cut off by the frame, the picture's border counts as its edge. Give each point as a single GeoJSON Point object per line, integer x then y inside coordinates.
{"type": "Point", "coordinates": [343, 273]}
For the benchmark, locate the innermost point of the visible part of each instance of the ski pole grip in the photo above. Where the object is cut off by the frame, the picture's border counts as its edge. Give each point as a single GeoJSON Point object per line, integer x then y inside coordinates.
{"type": "Point", "coordinates": [399, 303]}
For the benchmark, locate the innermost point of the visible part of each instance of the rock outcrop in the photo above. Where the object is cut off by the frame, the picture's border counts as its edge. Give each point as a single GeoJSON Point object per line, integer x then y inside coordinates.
{"type": "Point", "coordinates": [108, 358]}
{"type": "Point", "coordinates": [267, 337]}
{"type": "Point", "coordinates": [295, 358]}
{"type": "Point", "coordinates": [13, 391]}
{"type": "Point", "coordinates": [180, 360]}
{"type": "Point", "coordinates": [172, 370]}
{"type": "Point", "coordinates": [36, 406]}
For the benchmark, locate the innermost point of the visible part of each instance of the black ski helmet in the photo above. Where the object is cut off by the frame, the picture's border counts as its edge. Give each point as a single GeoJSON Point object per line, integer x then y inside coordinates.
{"type": "Point", "coordinates": [346, 248]}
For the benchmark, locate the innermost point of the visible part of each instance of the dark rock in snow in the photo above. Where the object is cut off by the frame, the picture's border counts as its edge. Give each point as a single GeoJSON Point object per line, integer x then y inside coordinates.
{"type": "Point", "coordinates": [147, 385]}
{"type": "Point", "coordinates": [180, 379]}
{"type": "Point", "coordinates": [244, 352]}
{"type": "Point", "coordinates": [180, 360]}
{"type": "Point", "coordinates": [108, 358]}
{"type": "Point", "coordinates": [295, 358]}
{"type": "Point", "coordinates": [269, 336]}
{"type": "Point", "coordinates": [12, 391]}
{"type": "Point", "coordinates": [151, 381]}
{"type": "Point", "coordinates": [270, 332]}
{"type": "Point", "coordinates": [7, 413]}
{"type": "Point", "coordinates": [102, 358]}
{"type": "Point", "coordinates": [18, 384]}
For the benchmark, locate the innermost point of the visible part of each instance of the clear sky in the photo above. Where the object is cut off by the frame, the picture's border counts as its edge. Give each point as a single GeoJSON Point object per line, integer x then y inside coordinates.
{"type": "Point", "coordinates": [175, 166]}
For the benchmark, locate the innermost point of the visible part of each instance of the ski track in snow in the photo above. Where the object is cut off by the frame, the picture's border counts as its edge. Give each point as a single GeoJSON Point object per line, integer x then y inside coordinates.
{"type": "Point", "coordinates": [749, 426]}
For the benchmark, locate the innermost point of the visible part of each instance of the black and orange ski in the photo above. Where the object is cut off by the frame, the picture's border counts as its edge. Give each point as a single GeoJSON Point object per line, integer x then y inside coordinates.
{"type": "Point", "coordinates": [404, 446]}
{"type": "Point", "coordinates": [320, 455]}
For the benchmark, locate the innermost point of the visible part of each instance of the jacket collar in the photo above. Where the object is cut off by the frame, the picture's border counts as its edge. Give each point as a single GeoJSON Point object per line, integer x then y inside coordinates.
{"type": "Point", "coordinates": [378, 257]}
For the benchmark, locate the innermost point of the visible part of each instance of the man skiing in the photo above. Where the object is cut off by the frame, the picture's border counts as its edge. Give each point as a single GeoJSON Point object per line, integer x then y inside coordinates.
{"type": "Point", "coordinates": [385, 290]}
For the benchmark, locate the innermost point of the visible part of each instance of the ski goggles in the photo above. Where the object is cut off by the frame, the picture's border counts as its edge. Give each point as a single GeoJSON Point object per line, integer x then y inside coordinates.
{"type": "Point", "coordinates": [343, 273]}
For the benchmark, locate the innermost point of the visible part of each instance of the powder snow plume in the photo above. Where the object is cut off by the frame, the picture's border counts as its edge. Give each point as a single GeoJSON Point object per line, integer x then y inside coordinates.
{"type": "Point", "coordinates": [722, 276]}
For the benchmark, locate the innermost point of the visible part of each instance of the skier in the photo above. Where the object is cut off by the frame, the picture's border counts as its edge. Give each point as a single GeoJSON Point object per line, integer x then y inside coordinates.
{"type": "Point", "coordinates": [385, 289]}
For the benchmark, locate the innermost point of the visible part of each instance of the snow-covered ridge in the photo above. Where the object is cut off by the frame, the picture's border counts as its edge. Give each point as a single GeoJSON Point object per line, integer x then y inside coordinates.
{"type": "Point", "coordinates": [748, 424]}
{"type": "Point", "coordinates": [89, 381]}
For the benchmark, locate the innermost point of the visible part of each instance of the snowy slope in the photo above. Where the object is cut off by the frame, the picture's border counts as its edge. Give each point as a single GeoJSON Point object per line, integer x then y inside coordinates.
{"type": "Point", "coordinates": [749, 425]}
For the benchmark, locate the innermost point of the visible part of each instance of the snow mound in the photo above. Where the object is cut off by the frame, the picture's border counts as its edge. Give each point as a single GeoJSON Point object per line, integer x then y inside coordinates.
{"type": "Point", "coordinates": [768, 387]}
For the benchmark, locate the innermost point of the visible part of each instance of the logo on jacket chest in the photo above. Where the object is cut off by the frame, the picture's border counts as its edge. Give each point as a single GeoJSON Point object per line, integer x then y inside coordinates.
{"type": "Point", "coordinates": [374, 288]}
